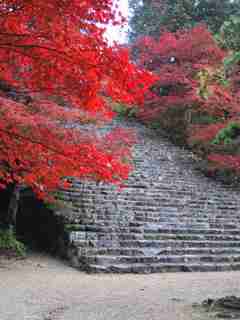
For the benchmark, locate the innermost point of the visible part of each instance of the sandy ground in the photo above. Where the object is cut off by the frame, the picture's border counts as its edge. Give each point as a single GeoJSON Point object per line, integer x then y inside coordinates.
{"type": "Point", "coordinates": [43, 288]}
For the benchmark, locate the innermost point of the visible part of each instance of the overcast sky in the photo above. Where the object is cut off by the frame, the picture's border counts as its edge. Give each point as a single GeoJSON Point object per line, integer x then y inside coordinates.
{"type": "Point", "coordinates": [116, 33]}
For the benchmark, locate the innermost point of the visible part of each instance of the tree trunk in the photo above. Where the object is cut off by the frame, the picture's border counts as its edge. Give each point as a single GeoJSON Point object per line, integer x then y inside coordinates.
{"type": "Point", "coordinates": [13, 206]}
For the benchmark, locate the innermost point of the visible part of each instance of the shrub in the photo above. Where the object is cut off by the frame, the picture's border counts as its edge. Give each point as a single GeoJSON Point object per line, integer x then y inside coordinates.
{"type": "Point", "coordinates": [124, 111]}
{"type": "Point", "coordinates": [8, 242]}
{"type": "Point", "coordinates": [227, 134]}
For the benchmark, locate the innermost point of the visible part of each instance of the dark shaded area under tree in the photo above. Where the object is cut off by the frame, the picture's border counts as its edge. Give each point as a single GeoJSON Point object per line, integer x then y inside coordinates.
{"type": "Point", "coordinates": [37, 226]}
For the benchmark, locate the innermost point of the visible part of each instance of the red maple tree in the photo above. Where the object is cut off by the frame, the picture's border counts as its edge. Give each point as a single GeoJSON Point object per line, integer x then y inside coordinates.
{"type": "Point", "coordinates": [193, 79]}
{"type": "Point", "coordinates": [56, 71]}
{"type": "Point", "coordinates": [178, 58]}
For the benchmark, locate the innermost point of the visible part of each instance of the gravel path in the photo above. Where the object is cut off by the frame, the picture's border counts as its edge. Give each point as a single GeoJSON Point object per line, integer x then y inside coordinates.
{"type": "Point", "coordinates": [43, 288]}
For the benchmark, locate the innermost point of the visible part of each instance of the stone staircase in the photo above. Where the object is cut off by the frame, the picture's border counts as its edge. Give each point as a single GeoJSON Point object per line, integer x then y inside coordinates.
{"type": "Point", "coordinates": [168, 218]}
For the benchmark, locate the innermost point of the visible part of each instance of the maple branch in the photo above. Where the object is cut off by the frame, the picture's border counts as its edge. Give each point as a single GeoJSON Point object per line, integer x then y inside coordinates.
{"type": "Point", "coordinates": [17, 135]}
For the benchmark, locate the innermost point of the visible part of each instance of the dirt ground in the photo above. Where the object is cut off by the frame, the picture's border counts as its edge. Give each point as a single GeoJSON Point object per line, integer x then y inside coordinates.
{"type": "Point", "coordinates": [44, 288]}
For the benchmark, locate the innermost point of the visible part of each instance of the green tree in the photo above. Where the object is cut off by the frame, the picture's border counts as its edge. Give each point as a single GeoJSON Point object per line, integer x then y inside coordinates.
{"type": "Point", "coordinates": [229, 35]}
{"type": "Point", "coordinates": [151, 17]}
{"type": "Point", "coordinates": [215, 12]}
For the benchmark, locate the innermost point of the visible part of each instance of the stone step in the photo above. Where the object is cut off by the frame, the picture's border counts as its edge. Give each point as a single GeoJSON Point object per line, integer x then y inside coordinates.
{"type": "Point", "coordinates": [194, 259]}
{"type": "Point", "coordinates": [177, 218]}
{"type": "Point", "coordinates": [188, 236]}
{"type": "Point", "coordinates": [148, 218]}
{"type": "Point", "coordinates": [191, 223]}
{"type": "Point", "coordinates": [170, 225]}
{"type": "Point", "coordinates": [156, 193]}
{"type": "Point", "coordinates": [158, 208]}
{"type": "Point", "coordinates": [156, 252]}
{"type": "Point", "coordinates": [158, 229]}
{"type": "Point", "coordinates": [157, 236]}
{"type": "Point", "coordinates": [199, 217]}
{"type": "Point", "coordinates": [154, 243]}
{"type": "Point", "coordinates": [160, 194]}
{"type": "Point", "coordinates": [161, 267]}
{"type": "Point", "coordinates": [104, 229]}
{"type": "Point", "coordinates": [153, 204]}
{"type": "Point", "coordinates": [178, 243]}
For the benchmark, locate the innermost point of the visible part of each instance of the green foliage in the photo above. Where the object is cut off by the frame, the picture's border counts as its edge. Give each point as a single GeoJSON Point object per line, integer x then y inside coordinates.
{"type": "Point", "coordinates": [229, 36]}
{"type": "Point", "coordinates": [56, 204]}
{"type": "Point", "coordinates": [151, 17]}
{"type": "Point", "coordinates": [202, 119]}
{"type": "Point", "coordinates": [220, 76]}
{"type": "Point", "coordinates": [204, 78]}
{"type": "Point", "coordinates": [124, 111]}
{"type": "Point", "coordinates": [151, 20]}
{"type": "Point", "coordinates": [155, 125]}
{"type": "Point", "coordinates": [231, 60]}
{"type": "Point", "coordinates": [140, 22]}
{"type": "Point", "coordinates": [72, 227]}
{"type": "Point", "coordinates": [227, 134]}
{"type": "Point", "coordinates": [8, 241]}
{"type": "Point", "coordinates": [214, 12]}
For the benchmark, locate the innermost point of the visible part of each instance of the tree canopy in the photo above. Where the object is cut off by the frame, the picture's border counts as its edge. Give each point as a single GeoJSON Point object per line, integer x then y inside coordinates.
{"type": "Point", "coordinates": [152, 17]}
{"type": "Point", "coordinates": [57, 73]}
